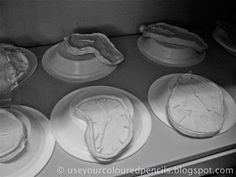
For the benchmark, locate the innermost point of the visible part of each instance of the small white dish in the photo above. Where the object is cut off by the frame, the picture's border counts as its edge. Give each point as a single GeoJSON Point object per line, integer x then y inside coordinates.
{"type": "Point", "coordinates": [39, 147]}
{"type": "Point", "coordinates": [71, 68]}
{"type": "Point", "coordinates": [168, 54]}
{"type": "Point", "coordinates": [158, 96]}
{"type": "Point", "coordinates": [69, 132]}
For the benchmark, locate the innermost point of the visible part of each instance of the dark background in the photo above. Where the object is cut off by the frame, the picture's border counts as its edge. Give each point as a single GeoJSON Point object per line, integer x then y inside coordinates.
{"type": "Point", "coordinates": [43, 22]}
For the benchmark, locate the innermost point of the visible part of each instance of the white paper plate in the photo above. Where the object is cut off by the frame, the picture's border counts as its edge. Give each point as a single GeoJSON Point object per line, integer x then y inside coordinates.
{"type": "Point", "coordinates": [52, 54]}
{"type": "Point", "coordinates": [158, 97]}
{"type": "Point", "coordinates": [39, 148]}
{"type": "Point", "coordinates": [224, 42]}
{"type": "Point", "coordinates": [70, 134]}
{"type": "Point", "coordinates": [154, 55]}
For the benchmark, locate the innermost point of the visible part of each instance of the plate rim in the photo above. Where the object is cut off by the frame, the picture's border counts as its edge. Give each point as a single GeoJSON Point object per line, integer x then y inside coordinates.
{"type": "Point", "coordinates": [33, 64]}
{"type": "Point", "coordinates": [221, 41]}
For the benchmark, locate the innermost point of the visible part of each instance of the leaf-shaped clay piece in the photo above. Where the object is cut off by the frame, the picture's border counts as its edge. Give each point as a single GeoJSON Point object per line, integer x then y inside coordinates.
{"type": "Point", "coordinates": [12, 136]}
{"type": "Point", "coordinates": [95, 43]}
{"type": "Point", "coordinates": [109, 125]}
{"type": "Point", "coordinates": [13, 65]}
{"type": "Point", "coordinates": [195, 107]}
{"type": "Point", "coordinates": [165, 33]}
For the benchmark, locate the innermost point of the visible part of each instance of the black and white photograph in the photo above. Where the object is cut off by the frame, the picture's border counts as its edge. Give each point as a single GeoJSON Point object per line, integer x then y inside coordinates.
{"type": "Point", "coordinates": [117, 88]}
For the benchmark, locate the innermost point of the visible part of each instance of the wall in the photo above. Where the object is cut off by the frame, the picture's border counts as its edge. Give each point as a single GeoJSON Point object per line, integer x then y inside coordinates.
{"type": "Point", "coordinates": [40, 22]}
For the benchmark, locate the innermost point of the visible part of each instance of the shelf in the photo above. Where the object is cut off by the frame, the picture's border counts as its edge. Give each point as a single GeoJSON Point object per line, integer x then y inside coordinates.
{"type": "Point", "coordinates": [165, 147]}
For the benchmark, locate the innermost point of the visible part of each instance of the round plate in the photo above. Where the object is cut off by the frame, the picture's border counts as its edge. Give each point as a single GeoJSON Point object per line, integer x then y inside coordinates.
{"type": "Point", "coordinates": [224, 42]}
{"type": "Point", "coordinates": [70, 134]}
{"type": "Point", "coordinates": [167, 61]}
{"type": "Point", "coordinates": [50, 53]}
{"type": "Point", "coordinates": [158, 96]}
{"type": "Point", "coordinates": [39, 147]}
{"type": "Point", "coordinates": [33, 63]}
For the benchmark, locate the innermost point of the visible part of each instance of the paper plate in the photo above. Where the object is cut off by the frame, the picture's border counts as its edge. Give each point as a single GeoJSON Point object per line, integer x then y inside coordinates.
{"type": "Point", "coordinates": [69, 133]}
{"type": "Point", "coordinates": [182, 57]}
{"type": "Point", "coordinates": [224, 42]}
{"type": "Point", "coordinates": [39, 147]}
{"type": "Point", "coordinates": [158, 96]}
{"type": "Point", "coordinates": [72, 70]}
